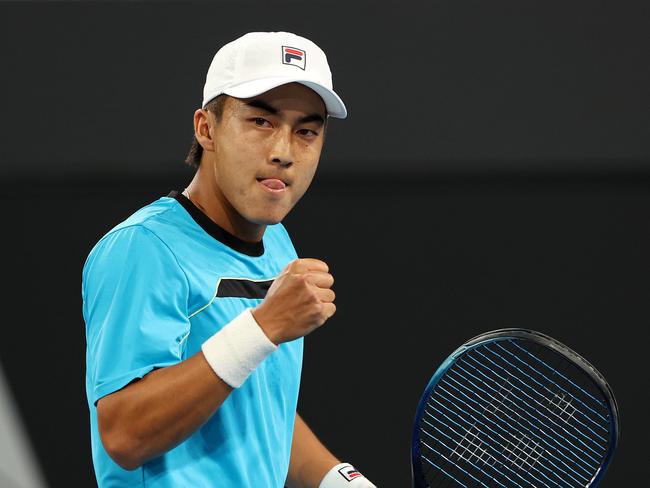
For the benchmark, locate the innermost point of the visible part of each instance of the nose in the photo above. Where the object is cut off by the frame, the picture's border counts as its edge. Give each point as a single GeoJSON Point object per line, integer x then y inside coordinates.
{"type": "Point", "coordinates": [281, 148]}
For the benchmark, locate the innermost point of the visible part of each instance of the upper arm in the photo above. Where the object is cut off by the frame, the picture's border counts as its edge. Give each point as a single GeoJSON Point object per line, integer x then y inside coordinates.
{"type": "Point", "coordinates": [135, 307]}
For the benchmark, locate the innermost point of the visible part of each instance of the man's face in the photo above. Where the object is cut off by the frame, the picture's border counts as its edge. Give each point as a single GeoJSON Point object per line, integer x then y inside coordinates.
{"type": "Point", "coordinates": [266, 150]}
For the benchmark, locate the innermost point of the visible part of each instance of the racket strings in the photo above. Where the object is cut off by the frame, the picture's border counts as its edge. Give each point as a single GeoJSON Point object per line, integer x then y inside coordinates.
{"type": "Point", "coordinates": [476, 451]}
{"type": "Point", "coordinates": [540, 400]}
{"type": "Point", "coordinates": [505, 415]}
{"type": "Point", "coordinates": [532, 401]}
{"type": "Point", "coordinates": [498, 436]}
{"type": "Point", "coordinates": [534, 417]}
{"type": "Point", "coordinates": [515, 421]}
{"type": "Point", "coordinates": [505, 432]}
{"type": "Point", "coordinates": [564, 392]}
{"type": "Point", "coordinates": [556, 371]}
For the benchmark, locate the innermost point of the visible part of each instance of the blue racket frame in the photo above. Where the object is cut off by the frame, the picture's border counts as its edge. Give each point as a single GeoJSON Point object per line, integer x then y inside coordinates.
{"type": "Point", "coordinates": [419, 480]}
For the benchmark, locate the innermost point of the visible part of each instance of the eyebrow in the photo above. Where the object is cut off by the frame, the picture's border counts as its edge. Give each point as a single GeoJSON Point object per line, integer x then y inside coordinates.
{"type": "Point", "coordinates": [315, 117]}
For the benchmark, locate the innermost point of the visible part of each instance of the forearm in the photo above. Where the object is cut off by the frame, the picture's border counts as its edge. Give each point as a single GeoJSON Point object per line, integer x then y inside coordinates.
{"type": "Point", "coordinates": [310, 459]}
{"type": "Point", "coordinates": [156, 413]}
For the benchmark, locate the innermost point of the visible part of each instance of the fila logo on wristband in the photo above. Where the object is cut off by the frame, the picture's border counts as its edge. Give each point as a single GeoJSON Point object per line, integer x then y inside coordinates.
{"type": "Point", "coordinates": [294, 56]}
{"type": "Point", "coordinates": [349, 472]}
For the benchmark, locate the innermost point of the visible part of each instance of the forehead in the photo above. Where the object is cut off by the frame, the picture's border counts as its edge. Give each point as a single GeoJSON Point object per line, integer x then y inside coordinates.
{"type": "Point", "coordinates": [292, 97]}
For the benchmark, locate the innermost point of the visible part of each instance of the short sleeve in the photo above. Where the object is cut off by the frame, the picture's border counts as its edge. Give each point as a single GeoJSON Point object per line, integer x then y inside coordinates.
{"type": "Point", "coordinates": [135, 298]}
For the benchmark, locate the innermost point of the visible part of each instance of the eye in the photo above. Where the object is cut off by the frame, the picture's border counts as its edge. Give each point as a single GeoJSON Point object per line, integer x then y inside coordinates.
{"type": "Point", "coordinates": [307, 132]}
{"type": "Point", "coordinates": [261, 122]}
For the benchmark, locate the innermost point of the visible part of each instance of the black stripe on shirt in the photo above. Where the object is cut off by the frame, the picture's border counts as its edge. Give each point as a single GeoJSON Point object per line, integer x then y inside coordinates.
{"type": "Point", "coordinates": [242, 288]}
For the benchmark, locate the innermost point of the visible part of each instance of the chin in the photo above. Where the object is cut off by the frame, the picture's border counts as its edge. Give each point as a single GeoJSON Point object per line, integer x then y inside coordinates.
{"type": "Point", "coordinates": [265, 221]}
{"type": "Point", "coordinates": [270, 218]}
{"type": "Point", "coordinates": [267, 213]}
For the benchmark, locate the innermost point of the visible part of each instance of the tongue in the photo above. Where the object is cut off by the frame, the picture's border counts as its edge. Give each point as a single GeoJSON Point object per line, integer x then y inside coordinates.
{"type": "Point", "coordinates": [273, 184]}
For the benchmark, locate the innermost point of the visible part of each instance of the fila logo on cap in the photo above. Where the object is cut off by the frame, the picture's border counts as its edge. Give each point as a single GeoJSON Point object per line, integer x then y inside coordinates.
{"type": "Point", "coordinates": [294, 56]}
{"type": "Point", "coordinates": [349, 472]}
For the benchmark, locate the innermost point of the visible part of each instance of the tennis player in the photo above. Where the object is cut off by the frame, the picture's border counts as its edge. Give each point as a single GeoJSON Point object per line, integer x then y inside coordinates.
{"type": "Point", "coordinates": [196, 305]}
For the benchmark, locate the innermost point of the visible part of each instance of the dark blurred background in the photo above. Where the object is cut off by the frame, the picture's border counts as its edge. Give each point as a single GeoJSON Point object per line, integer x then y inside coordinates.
{"type": "Point", "coordinates": [494, 171]}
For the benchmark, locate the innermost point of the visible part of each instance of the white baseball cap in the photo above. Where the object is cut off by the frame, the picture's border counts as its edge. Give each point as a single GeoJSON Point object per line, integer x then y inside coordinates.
{"type": "Point", "coordinates": [260, 61]}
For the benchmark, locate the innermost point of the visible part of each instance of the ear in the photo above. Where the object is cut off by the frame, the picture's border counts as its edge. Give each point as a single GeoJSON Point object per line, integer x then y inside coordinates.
{"type": "Point", "coordinates": [202, 129]}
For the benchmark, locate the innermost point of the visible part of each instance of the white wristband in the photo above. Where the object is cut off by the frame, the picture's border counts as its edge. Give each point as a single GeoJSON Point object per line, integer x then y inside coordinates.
{"type": "Point", "coordinates": [236, 350]}
{"type": "Point", "coordinates": [344, 475]}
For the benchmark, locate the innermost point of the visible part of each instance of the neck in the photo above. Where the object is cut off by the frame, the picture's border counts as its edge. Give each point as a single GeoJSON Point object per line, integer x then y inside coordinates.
{"type": "Point", "coordinates": [211, 201]}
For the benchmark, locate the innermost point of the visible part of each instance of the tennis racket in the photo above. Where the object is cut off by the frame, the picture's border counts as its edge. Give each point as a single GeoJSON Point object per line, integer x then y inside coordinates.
{"type": "Point", "coordinates": [514, 408]}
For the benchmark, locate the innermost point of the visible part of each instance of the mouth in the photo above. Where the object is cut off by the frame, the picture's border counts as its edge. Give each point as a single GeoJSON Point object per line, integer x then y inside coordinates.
{"type": "Point", "coordinates": [274, 185]}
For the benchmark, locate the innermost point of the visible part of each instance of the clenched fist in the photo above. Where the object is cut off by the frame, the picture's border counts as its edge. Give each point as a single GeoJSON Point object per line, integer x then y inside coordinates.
{"type": "Point", "coordinates": [299, 301]}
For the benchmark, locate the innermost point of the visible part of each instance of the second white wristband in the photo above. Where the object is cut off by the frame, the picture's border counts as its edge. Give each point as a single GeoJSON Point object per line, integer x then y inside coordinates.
{"type": "Point", "coordinates": [344, 475]}
{"type": "Point", "coordinates": [236, 350]}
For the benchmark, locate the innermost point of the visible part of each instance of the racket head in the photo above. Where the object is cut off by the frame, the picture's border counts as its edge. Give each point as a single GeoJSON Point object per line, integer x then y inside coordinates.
{"type": "Point", "coordinates": [467, 449]}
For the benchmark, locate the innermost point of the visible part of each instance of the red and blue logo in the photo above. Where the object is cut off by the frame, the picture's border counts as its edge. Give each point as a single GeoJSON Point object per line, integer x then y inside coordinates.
{"type": "Point", "coordinates": [294, 56]}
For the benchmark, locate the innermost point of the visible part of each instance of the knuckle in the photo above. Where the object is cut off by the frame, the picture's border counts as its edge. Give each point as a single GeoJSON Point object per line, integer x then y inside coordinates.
{"type": "Point", "coordinates": [298, 278]}
{"type": "Point", "coordinates": [318, 309]}
{"type": "Point", "coordinates": [314, 296]}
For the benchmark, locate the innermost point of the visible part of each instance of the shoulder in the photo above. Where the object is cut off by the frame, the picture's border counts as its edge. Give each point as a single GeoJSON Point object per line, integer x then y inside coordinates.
{"type": "Point", "coordinates": [150, 216]}
{"type": "Point", "coordinates": [141, 236]}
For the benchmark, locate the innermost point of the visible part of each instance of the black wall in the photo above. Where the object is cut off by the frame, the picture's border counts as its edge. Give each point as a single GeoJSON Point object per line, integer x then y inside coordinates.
{"type": "Point", "coordinates": [420, 265]}
{"type": "Point", "coordinates": [494, 171]}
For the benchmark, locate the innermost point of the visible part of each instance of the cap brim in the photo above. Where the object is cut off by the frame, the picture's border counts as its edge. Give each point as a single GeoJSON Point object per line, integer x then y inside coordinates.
{"type": "Point", "coordinates": [333, 103]}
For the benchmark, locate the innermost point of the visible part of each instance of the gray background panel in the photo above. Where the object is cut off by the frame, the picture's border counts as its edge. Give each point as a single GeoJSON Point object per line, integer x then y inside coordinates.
{"type": "Point", "coordinates": [113, 85]}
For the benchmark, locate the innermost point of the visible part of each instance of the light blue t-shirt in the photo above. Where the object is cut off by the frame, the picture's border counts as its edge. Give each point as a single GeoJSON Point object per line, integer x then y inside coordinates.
{"type": "Point", "coordinates": [154, 289]}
